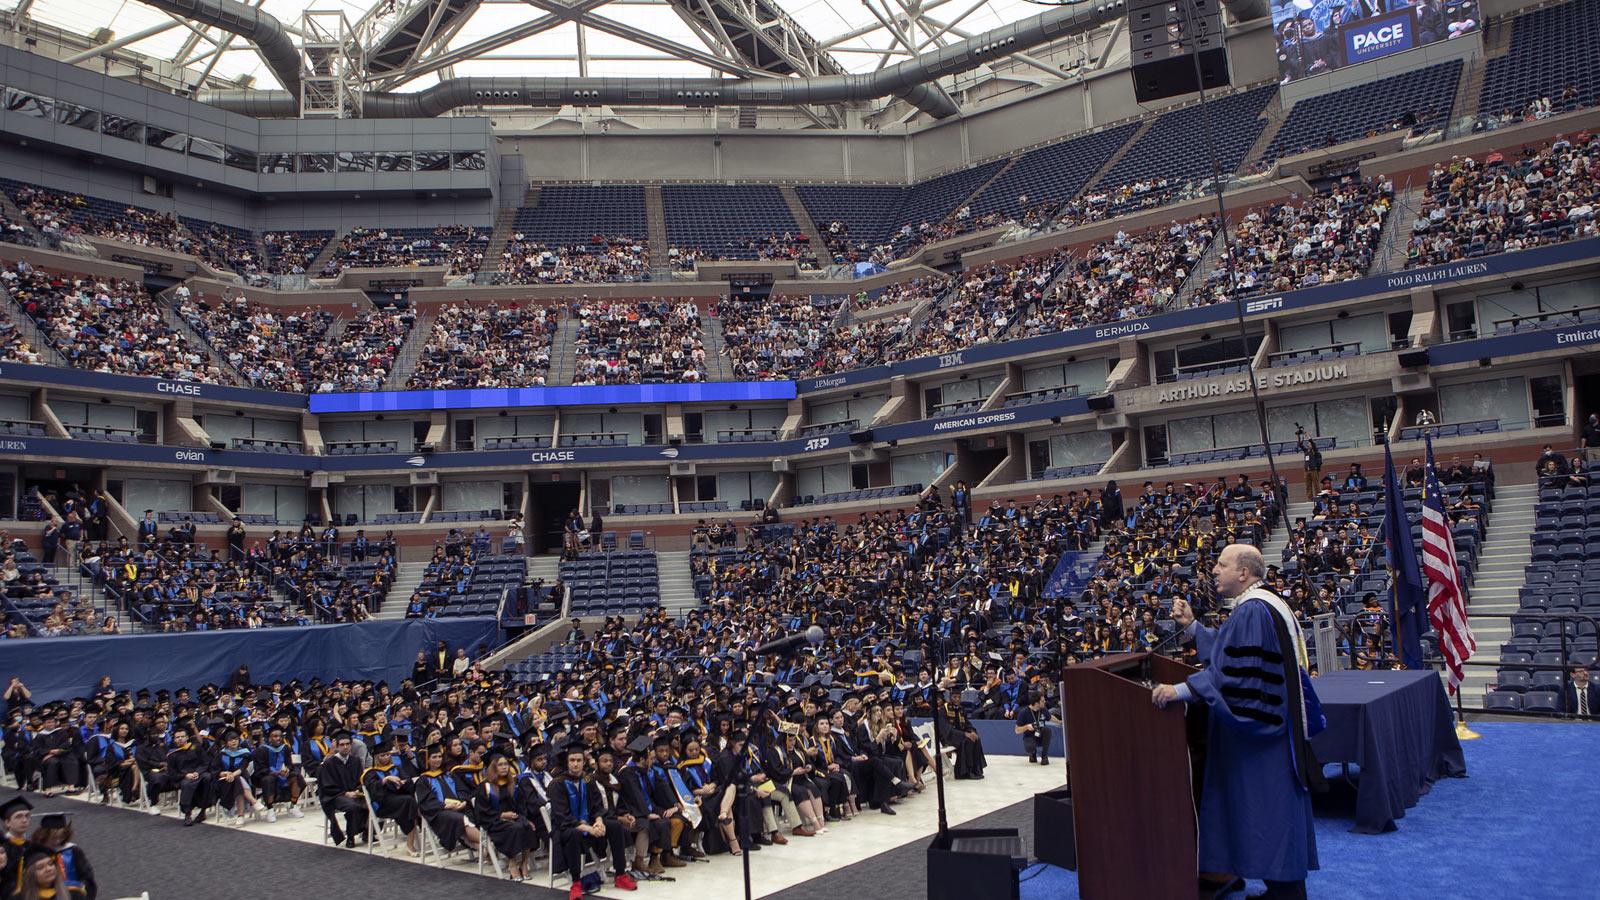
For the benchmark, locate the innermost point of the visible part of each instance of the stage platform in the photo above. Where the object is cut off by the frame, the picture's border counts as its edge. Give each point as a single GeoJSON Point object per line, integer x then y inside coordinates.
{"type": "Point", "coordinates": [1521, 825]}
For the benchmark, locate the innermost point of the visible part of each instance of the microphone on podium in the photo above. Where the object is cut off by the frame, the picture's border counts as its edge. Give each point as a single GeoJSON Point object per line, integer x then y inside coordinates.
{"type": "Point", "coordinates": [812, 635]}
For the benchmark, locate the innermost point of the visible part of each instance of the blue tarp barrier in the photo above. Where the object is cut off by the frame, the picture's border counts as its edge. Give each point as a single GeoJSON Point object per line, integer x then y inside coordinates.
{"type": "Point", "coordinates": [1071, 575]}
{"type": "Point", "coordinates": [55, 668]}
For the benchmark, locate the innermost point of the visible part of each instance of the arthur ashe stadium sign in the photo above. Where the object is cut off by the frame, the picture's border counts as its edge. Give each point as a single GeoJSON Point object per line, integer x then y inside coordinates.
{"type": "Point", "coordinates": [1265, 381]}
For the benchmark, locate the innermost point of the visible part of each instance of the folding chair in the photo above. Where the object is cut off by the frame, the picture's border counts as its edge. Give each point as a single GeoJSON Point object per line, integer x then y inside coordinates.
{"type": "Point", "coordinates": [589, 863]}
{"type": "Point", "coordinates": [378, 829]}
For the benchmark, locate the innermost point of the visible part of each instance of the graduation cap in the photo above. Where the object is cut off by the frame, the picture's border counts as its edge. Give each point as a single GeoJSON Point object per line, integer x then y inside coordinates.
{"type": "Point", "coordinates": [55, 819]}
{"type": "Point", "coordinates": [36, 854]}
{"type": "Point", "coordinates": [641, 744]}
{"type": "Point", "coordinates": [13, 806]}
{"type": "Point", "coordinates": [384, 745]}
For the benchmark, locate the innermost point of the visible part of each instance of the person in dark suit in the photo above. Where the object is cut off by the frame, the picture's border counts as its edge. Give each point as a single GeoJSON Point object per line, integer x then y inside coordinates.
{"type": "Point", "coordinates": [1581, 696]}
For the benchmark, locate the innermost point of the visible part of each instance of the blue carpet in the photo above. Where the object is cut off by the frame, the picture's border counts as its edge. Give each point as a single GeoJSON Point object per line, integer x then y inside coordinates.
{"type": "Point", "coordinates": [1521, 825]}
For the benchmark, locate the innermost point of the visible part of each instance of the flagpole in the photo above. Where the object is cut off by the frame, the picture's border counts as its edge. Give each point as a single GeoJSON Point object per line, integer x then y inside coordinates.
{"type": "Point", "coordinates": [1432, 491]}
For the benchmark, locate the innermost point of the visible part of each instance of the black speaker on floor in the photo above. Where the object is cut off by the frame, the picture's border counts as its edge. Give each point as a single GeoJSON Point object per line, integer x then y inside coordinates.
{"type": "Point", "coordinates": [1054, 840]}
{"type": "Point", "coordinates": [1164, 39]}
{"type": "Point", "coordinates": [976, 864]}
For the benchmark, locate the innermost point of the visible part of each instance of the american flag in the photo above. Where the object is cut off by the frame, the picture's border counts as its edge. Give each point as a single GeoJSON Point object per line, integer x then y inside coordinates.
{"type": "Point", "coordinates": [1447, 602]}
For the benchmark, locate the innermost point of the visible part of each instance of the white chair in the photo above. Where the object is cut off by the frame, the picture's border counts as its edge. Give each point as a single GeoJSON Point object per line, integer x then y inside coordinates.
{"type": "Point", "coordinates": [590, 862]}
{"type": "Point", "coordinates": [924, 733]}
{"type": "Point", "coordinates": [386, 830]}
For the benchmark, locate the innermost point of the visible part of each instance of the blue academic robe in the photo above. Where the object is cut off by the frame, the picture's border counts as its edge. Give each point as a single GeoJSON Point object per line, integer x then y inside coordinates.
{"type": "Point", "coordinates": [1255, 814]}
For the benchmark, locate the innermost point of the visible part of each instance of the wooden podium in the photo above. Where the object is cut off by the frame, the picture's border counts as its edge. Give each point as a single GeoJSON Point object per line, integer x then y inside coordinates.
{"type": "Point", "coordinates": [1132, 791]}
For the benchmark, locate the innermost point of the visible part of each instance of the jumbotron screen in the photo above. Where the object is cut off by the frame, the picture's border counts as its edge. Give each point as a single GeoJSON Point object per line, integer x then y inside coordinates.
{"type": "Point", "coordinates": [1318, 36]}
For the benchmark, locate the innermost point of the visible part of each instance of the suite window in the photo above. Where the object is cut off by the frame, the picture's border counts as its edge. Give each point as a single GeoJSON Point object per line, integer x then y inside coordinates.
{"type": "Point", "coordinates": [31, 105]}
{"type": "Point", "coordinates": [356, 161]}
{"type": "Point", "coordinates": [236, 158]}
{"type": "Point", "coordinates": [122, 127]}
{"type": "Point", "coordinates": [77, 116]}
{"type": "Point", "coordinates": [394, 162]}
{"type": "Point", "coordinates": [316, 163]}
{"type": "Point", "coordinates": [468, 162]}
{"type": "Point", "coordinates": [164, 139]}
{"type": "Point", "coordinates": [276, 164]}
{"type": "Point", "coordinates": [433, 161]}
{"type": "Point", "coordinates": [211, 151]}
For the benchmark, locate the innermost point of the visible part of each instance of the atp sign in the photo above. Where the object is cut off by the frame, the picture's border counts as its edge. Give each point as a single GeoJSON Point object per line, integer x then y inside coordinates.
{"type": "Point", "coordinates": [1377, 37]}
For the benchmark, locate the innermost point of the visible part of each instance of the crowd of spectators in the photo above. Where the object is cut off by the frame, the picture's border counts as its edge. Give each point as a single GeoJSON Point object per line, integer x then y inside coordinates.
{"type": "Point", "coordinates": [267, 346]}
{"type": "Point", "coordinates": [601, 259]}
{"type": "Point", "coordinates": [630, 342]}
{"type": "Point", "coordinates": [106, 325]}
{"type": "Point", "coordinates": [61, 214]}
{"type": "Point", "coordinates": [226, 249]}
{"type": "Point", "coordinates": [789, 336]}
{"type": "Point", "coordinates": [459, 248]}
{"type": "Point", "coordinates": [305, 567]}
{"type": "Point", "coordinates": [843, 248]}
{"type": "Point", "coordinates": [1542, 195]}
{"type": "Point", "coordinates": [176, 584]}
{"type": "Point", "coordinates": [1126, 277]}
{"type": "Point", "coordinates": [1328, 237]}
{"type": "Point", "coordinates": [982, 307]}
{"type": "Point", "coordinates": [960, 222]}
{"type": "Point", "coordinates": [14, 347]}
{"type": "Point", "coordinates": [486, 346]}
{"type": "Point", "coordinates": [1536, 109]}
{"type": "Point", "coordinates": [363, 355]}
{"type": "Point", "coordinates": [52, 610]}
{"type": "Point", "coordinates": [293, 252]}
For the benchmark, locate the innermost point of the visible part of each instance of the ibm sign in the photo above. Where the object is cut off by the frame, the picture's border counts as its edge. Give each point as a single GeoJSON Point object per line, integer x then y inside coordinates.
{"type": "Point", "coordinates": [1373, 38]}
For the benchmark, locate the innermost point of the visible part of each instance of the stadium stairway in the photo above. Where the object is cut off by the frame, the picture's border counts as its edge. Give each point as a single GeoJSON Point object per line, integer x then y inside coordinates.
{"type": "Point", "coordinates": [716, 349]}
{"type": "Point", "coordinates": [1272, 550]}
{"type": "Point", "coordinates": [675, 581]}
{"type": "Point", "coordinates": [405, 582]}
{"type": "Point", "coordinates": [1196, 279]}
{"type": "Point", "coordinates": [15, 215]}
{"type": "Point", "coordinates": [655, 216]}
{"type": "Point", "coordinates": [1500, 577]}
{"type": "Point", "coordinates": [563, 353]}
{"type": "Point", "coordinates": [802, 217]}
{"type": "Point", "coordinates": [176, 322]}
{"type": "Point", "coordinates": [494, 253]}
{"type": "Point", "coordinates": [1469, 88]}
{"type": "Point", "coordinates": [546, 568]}
{"type": "Point", "coordinates": [1396, 234]}
{"type": "Point", "coordinates": [1275, 115]}
{"type": "Point", "coordinates": [1111, 161]}
{"type": "Point", "coordinates": [48, 355]}
{"type": "Point", "coordinates": [406, 360]}
{"type": "Point", "coordinates": [314, 270]}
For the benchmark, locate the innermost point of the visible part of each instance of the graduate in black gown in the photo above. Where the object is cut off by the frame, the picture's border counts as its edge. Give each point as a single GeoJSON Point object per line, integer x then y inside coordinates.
{"type": "Point", "coordinates": [59, 755]}
{"type": "Point", "coordinates": [17, 814]}
{"type": "Point", "coordinates": [55, 834]}
{"type": "Point", "coordinates": [441, 805]}
{"type": "Point", "coordinates": [188, 768]}
{"type": "Point", "coordinates": [277, 774]}
{"type": "Point", "coordinates": [391, 793]}
{"type": "Point", "coordinates": [955, 730]}
{"type": "Point", "coordinates": [494, 806]}
{"type": "Point", "coordinates": [339, 791]}
{"type": "Point", "coordinates": [577, 815]}
{"type": "Point", "coordinates": [114, 763]}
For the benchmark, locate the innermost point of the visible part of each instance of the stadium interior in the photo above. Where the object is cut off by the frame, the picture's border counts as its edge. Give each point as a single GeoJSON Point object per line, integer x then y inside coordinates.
{"type": "Point", "coordinates": [483, 371]}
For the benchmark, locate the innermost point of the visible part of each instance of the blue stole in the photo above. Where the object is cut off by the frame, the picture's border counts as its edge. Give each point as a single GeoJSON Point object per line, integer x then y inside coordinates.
{"type": "Point", "coordinates": [578, 799]}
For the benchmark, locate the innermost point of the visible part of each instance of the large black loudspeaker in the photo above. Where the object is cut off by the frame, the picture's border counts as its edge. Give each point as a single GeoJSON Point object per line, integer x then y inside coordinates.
{"type": "Point", "coordinates": [1165, 37]}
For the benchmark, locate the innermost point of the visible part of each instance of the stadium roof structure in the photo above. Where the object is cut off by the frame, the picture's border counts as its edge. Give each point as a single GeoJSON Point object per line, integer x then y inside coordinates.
{"type": "Point", "coordinates": [407, 46]}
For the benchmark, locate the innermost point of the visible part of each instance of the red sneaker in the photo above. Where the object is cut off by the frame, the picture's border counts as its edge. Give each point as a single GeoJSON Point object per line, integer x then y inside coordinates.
{"type": "Point", "coordinates": [625, 882]}
{"type": "Point", "coordinates": [576, 893]}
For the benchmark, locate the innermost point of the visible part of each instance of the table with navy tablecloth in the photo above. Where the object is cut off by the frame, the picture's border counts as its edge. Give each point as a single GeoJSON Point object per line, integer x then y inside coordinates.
{"type": "Point", "coordinates": [1396, 727]}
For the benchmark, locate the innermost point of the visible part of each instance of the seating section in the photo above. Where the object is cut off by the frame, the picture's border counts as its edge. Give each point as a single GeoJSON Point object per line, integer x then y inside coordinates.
{"type": "Point", "coordinates": [269, 346]}
{"type": "Point", "coordinates": [877, 493]}
{"type": "Point", "coordinates": [858, 221]}
{"type": "Point", "coordinates": [1451, 429]}
{"type": "Point", "coordinates": [292, 252]}
{"type": "Point", "coordinates": [64, 214]}
{"type": "Point", "coordinates": [33, 603]}
{"type": "Point", "coordinates": [1552, 66]}
{"type": "Point", "coordinates": [932, 210]}
{"type": "Point", "coordinates": [1053, 173]}
{"type": "Point", "coordinates": [1326, 238]}
{"type": "Point", "coordinates": [459, 248]}
{"type": "Point", "coordinates": [715, 221]}
{"type": "Point", "coordinates": [1173, 152]}
{"type": "Point", "coordinates": [1418, 100]}
{"type": "Point", "coordinates": [362, 356]}
{"type": "Point", "coordinates": [106, 325]}
{"type": "Point", "coordinates": [982, 307]}
{"type": "Point", "coordinates": [642, 509]}
{"type": "Point", "coordinates": [786, 336]}
{"type": "Point", "coordinates": [616, 583]}
{"type": "Point", "coordinates": [16, 348]}
{"type": "Point", "coordinates": [1280, 449]}
{"type": "Point", "coordinates": [567, 215]}
{"type": "Point", "coordinates": [486, 346]}
{"type": "Point", "coordinates": [1070, 471]}
{"type": "Point", "coordinates": [462, 579]}
{"type": "Point", "coordinates": [623, 342]}
{"type": "Point", "coordinates": [225, 246]}
{"type": "Point", "coordinates": [1126, 277]}
{"type": "Point", "coordinates": [1500, 205]}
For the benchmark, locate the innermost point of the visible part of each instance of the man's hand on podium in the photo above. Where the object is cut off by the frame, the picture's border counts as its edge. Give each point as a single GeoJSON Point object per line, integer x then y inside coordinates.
{"type": "Point", "coordinates": [1181, 613]}
{"type": "Point", "coordinates": [1163, 694]}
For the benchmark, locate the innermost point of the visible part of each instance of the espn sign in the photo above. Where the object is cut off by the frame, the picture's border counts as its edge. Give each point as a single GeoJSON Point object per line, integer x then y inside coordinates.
{"type": "Point", "coordinates": [1377, 37]}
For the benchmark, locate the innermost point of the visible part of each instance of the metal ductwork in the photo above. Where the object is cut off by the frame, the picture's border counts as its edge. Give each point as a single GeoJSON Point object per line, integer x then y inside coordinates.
{"type": "Point", "coordinates": [913, 80]}
{"type": "Point", "coordinates": [259, 28]}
